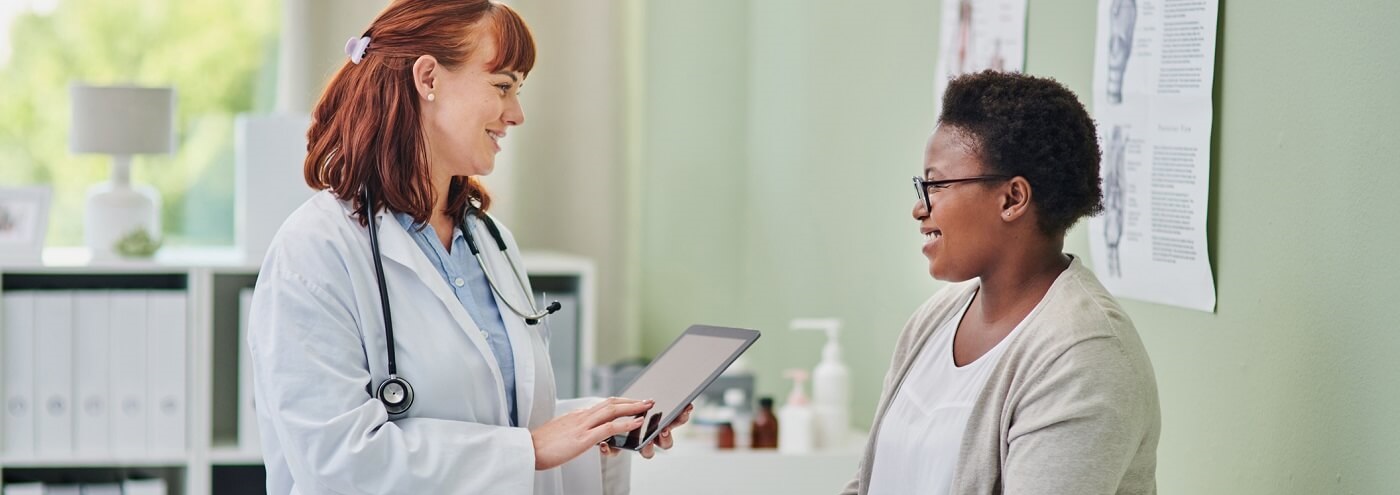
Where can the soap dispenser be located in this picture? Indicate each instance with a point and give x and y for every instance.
(831, 385)
(797, 418)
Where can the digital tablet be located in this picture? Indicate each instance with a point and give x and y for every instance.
(679, 374)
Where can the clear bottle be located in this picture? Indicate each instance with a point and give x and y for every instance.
(741, 416)
(765, 426)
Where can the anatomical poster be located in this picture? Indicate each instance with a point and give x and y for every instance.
(1154, 67)
(980, 34)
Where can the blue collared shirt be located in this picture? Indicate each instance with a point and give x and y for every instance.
(468, 282)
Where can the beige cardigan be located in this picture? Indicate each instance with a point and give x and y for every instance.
(1070, 409)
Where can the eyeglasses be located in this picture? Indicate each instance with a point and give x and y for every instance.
(926, 188)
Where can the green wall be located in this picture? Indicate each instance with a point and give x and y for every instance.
(776, 142)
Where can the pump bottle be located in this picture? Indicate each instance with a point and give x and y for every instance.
(797, 418)
(831, 385)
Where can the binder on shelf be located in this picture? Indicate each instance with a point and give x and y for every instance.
(18, 379)
(165, 372)
(248, 440)
(102, 489)
(128, 373)
(63, 489)
(53, 373)
(24, 489)
(144, 487)
(91, 387)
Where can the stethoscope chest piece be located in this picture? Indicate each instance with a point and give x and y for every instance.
(396, 394)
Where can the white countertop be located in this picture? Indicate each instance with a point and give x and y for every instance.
(698, 469)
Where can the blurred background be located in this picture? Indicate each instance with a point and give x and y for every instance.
(746, 162)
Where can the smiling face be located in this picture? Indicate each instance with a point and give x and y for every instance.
(963, 232)
(471, 109)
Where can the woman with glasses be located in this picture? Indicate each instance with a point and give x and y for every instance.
(1023, 374)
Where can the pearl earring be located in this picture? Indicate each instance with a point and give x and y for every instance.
(431, 97)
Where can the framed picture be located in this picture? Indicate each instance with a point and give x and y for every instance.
(24, 222)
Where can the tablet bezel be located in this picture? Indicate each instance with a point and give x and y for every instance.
(747, 336)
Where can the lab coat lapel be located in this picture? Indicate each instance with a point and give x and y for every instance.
(522, 337)
(522, 347)
(396, 245)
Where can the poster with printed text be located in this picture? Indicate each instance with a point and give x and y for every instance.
(980, 34)
(1154, 68)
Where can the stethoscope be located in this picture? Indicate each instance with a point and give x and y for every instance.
(395, 392)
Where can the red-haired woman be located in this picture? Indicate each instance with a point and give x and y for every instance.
(395, 341)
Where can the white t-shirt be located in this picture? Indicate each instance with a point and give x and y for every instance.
(922, 431)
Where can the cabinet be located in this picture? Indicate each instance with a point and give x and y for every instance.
(209, 282)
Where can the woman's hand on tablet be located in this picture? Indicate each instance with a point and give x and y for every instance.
(665, 440)
(565, 437)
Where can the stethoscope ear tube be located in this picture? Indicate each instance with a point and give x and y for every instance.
(495, 234)
(534, 315)
(548, 310)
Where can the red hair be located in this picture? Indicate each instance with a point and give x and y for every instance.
(366, 130)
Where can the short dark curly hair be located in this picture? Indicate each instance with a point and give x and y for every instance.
(1033, 127)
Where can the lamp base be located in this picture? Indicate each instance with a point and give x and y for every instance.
(115, 210)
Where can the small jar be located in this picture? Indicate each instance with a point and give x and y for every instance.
(725, 438)
(765, 426)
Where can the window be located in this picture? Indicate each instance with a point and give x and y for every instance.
(219, 55)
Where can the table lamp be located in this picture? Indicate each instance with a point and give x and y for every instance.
(121, 121)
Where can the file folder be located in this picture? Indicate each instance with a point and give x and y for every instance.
(18, 364)
(91, 386)
(53, 373)
(144, 487)
(166, 378)
(24, 489)
(128, 373)
(102, 489)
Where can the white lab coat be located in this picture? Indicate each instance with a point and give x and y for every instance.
(318, 350)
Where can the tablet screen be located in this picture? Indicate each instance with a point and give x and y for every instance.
(679, 374)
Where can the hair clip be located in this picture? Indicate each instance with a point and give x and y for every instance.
(355, 48)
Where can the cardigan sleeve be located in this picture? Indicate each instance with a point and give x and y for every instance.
(1078, 427)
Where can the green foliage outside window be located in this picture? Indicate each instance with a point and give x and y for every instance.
(219, 55)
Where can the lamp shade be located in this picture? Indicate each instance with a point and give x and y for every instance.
(122, 120)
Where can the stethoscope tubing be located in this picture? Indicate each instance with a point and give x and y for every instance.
(534, 315)
(396, 393)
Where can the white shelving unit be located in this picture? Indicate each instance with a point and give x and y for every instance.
(212, 280)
